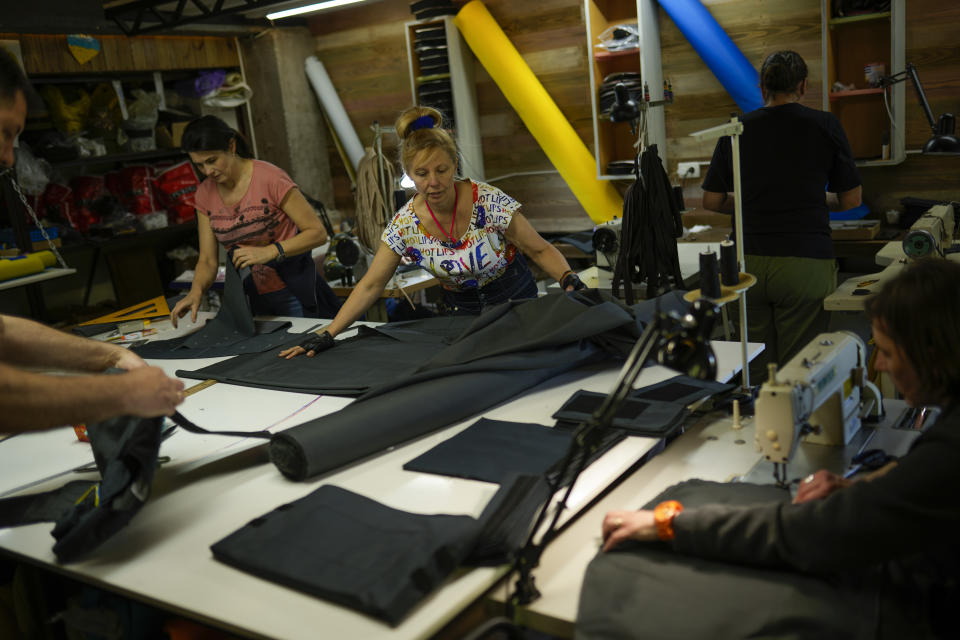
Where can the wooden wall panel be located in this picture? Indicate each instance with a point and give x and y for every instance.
(932, 27)
(49, 53)
(758, 29)
(365, 54)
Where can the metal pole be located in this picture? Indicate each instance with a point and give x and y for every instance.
(738, 225)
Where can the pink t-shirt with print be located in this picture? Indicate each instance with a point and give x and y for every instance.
(256, 220)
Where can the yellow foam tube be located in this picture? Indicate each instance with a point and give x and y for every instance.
(19, 267)
(46, 257)
(538, 111)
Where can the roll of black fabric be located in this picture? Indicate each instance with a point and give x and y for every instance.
(729, 269)
(709, 275)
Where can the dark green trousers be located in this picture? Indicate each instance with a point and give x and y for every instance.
(785, 306)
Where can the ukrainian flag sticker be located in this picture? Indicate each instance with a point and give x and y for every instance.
(83, 47)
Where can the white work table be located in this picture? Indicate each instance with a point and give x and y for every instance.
(213, 485)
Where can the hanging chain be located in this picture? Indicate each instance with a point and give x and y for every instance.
(33, 214)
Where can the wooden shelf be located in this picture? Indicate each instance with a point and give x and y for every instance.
(839, 95)
(133, 156)
(858, 18)
(600, 56)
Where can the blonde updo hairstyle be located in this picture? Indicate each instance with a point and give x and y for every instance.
(419, 129)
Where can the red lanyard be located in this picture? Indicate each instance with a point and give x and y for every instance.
(453, 223)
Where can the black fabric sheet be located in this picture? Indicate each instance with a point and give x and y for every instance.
(233, 330)
(490, 450)
(346, 548)
(375, 356)
(681, 390)
(505, 351)
(648, 591)
(649, 418)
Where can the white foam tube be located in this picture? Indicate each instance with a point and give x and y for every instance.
(327, 94)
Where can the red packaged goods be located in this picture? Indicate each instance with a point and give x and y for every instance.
(137, 194)
(86, 190)
(57, 203)
(176, 188)
(113, 183)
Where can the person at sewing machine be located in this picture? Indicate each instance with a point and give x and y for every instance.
(471, 236)
(257, 212)
(906, 518)
(789, 154)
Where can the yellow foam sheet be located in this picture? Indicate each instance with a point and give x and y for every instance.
(538, 111)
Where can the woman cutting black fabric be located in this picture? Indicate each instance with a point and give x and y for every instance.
(905, 519)
(257, 212)
(469, 235)
(791, 156)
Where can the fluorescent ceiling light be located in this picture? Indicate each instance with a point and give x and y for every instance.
(406, 182)
(310, 8)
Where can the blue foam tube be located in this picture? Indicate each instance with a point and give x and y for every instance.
(712, 43)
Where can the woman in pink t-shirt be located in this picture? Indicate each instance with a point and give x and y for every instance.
(258, 214)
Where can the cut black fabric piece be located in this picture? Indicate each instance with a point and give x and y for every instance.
(507, 519)
(490, 450)
(233, 330)
(125, 451)
(646, 590)
(681, 390)
(504, 352)
(373, 357)
(348, 549)
(650, 418)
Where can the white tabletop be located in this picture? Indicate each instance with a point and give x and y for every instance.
(214, 485)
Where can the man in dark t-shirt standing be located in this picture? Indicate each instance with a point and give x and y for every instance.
(796, 165)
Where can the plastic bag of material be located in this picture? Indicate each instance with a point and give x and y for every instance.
(620, 37)
(233, 93)
(105, 119)
(32, 172)
(142, 116)
(204, 84)
(176, 188)
(68, 108)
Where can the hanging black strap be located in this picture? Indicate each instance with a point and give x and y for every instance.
(181, 421)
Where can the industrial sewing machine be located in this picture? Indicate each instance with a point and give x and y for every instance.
(606, 245)
(820, 395)
(931, 235)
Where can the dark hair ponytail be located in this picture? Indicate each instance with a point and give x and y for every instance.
(782, 72)
(210, 133)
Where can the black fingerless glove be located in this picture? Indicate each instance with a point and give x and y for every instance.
(572, 280)
(317, 342)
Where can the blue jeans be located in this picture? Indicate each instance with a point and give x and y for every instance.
(515, 282)
(276, 303)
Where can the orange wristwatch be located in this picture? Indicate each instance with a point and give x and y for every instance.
(663, 515)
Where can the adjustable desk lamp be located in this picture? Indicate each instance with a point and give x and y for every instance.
(943, 141)
(681, 343)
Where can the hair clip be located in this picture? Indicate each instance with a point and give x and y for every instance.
(423, 122)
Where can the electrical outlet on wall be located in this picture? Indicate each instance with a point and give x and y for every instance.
(688, 169)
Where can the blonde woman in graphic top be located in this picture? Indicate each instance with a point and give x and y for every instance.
(469, 235)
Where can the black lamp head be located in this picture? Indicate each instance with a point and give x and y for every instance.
(687, 347)
(943, 141)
